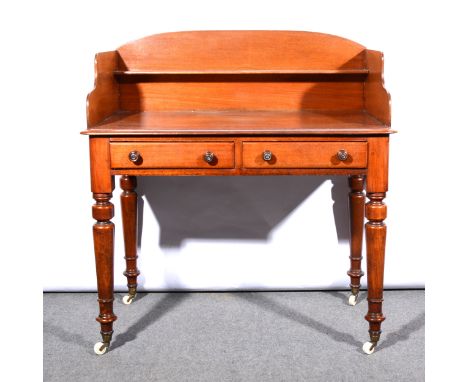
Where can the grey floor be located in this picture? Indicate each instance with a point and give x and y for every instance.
(242, 336)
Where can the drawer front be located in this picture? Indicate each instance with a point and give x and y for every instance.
(304, 154)
(172, 155)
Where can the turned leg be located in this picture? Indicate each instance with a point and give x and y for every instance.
(356, 214)
(376, 230)
(128, 201)
(103, 234)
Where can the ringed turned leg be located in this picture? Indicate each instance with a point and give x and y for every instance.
(128, 200)
(356, 214)
(102, 185)
(376, 232)
(103, 234)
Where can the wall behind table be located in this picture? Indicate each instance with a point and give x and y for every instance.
(223, 233)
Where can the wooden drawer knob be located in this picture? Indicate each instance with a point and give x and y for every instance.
(267, 155)
(342, 155)
(134, 156)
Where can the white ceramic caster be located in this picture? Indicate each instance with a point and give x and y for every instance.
(127, 300)
(100, 348)
(368, 347)
(352, 300)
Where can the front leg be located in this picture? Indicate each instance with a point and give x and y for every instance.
(376, 232)
(103, 235)
(102, 185)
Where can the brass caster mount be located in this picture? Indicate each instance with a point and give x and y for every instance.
(101, 347)
(127, 300)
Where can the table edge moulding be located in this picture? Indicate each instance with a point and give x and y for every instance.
(239, 103)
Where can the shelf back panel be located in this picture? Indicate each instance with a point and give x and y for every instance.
(295, 96)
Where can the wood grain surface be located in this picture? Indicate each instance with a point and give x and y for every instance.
(304, 154)
(240, 122)
(172, 154)
(241, 50)
(104, 99)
